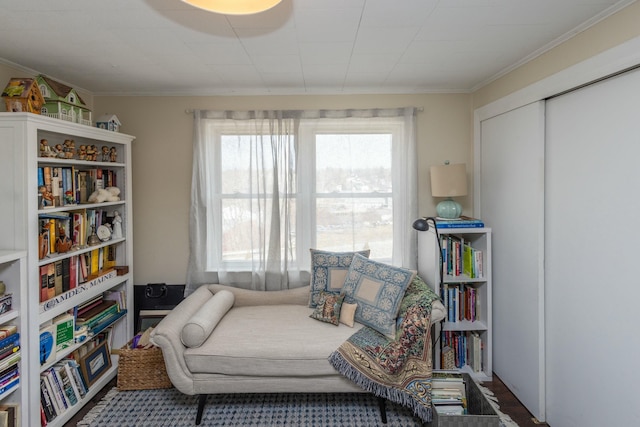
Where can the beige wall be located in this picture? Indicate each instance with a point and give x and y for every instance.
(608, 33)
(162, 159)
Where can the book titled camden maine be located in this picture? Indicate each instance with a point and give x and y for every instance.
(462, 222)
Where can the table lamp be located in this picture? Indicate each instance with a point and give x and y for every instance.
(449, 181)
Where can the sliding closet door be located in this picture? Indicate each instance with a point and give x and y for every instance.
(592, 258)
(511, 202)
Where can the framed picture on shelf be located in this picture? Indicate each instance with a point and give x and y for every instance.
(95, 363)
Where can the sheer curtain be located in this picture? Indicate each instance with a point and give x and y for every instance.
(274, 149)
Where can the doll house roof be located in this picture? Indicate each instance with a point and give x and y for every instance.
(60, 92)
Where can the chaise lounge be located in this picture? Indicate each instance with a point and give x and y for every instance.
(222, 339)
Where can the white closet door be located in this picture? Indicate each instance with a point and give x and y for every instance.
(511, 164)
(592, 285)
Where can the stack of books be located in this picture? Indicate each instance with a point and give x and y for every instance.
(448, 393)
(9, 358)
(97, 314)
(61, 387)
(462, 222)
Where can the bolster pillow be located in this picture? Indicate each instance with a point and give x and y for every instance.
(199, 327)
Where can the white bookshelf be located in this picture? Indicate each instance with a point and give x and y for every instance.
(429, 267)
(23, 132)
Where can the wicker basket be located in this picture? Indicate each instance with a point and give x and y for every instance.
(141, 369)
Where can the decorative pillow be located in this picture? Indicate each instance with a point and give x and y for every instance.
(378, 289)
(348, 313)
(328, 271)
(328, 309)
(196, 331)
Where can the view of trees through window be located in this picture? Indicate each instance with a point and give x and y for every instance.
(350, 193)
(353, 193)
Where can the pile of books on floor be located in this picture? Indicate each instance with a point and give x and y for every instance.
(448, 393)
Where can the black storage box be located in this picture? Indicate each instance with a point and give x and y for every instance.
(152, 302)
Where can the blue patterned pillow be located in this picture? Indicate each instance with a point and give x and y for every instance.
(378, 289)
(328, 271)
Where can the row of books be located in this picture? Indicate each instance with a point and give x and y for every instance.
(9, 358)
(448, 393)
(462, 222)
(467, 347)
(460, 258)
(61, 387)
(96, 314)
(461, 302)
(70, 186)
(65, 274)
(83, 322)
(60, 231)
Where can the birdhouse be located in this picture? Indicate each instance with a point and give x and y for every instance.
(62, 102)
(108, 122)
(23, 95)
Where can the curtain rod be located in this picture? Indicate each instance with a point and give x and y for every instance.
(418, 109)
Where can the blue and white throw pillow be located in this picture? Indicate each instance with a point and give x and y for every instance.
(378, 289)
(328, 271)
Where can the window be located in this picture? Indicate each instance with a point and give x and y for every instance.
(266, 191)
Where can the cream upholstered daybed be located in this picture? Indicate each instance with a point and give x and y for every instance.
(222, 339)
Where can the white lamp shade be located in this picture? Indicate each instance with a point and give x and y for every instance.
(449, 180)
(234, 7)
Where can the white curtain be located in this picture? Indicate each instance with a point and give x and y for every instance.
(279, 211)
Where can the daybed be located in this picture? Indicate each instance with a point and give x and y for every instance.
(222, 339)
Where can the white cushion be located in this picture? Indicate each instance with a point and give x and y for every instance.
(202, 323)
(276, 340)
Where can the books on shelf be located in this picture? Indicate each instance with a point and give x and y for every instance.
(461, 302)
(459, 258)
(462, 222)
(467, 347)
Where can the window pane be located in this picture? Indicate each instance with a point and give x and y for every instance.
(348, 224)
(240, 230)
(355, 163)
(349, 164)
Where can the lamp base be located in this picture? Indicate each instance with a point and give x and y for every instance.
(449, 209)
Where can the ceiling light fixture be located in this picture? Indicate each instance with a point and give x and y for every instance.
(233, 7)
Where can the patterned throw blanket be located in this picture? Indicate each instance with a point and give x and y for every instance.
(398, 370)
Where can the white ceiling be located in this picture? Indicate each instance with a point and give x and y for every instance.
(165, 47)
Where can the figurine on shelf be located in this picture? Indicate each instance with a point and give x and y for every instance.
(117, 225)
(59, 151)
(113, 154)
(92, 153)
(82, 152)
(47, 196)
(69, 147)
(45, 150)
(63, 243)
(105, 153)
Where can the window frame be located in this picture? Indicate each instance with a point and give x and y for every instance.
(305, 195)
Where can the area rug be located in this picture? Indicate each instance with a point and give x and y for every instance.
(169, 407)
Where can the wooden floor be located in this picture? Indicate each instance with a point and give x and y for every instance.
(508, 403)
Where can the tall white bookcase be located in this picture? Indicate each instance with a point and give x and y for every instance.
(20, 261)
(430, 264)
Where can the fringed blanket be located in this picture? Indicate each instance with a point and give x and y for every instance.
(398, 370)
